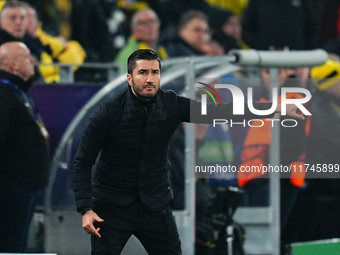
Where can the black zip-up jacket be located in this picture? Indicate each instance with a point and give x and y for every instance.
(7, 37)
(23, 149)
(133, 145)
(34, 44)
(175, 46)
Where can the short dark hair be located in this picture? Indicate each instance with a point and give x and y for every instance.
(186, 18)
(144, 54)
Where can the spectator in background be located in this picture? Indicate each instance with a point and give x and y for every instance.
(23, 145)
(281, 23)
(191, 38)
(68, 52)
(171, 11)
(13, 24)
(144, 35)
(229, 35)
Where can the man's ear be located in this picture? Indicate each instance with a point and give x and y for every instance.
(129, 79)
(13, 65)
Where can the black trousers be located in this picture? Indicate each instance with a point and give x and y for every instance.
(157, 231)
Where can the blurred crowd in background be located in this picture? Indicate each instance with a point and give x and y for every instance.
(98, 31)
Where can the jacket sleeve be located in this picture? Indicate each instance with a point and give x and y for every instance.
(191, 111)
(90, 145)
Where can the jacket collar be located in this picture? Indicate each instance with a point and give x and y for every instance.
(16, 80)
(7, 37)
(136, 104)
(135, 100)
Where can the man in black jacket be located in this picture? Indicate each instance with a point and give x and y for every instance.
(191, 37)
(129, 192)
(23, 147)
